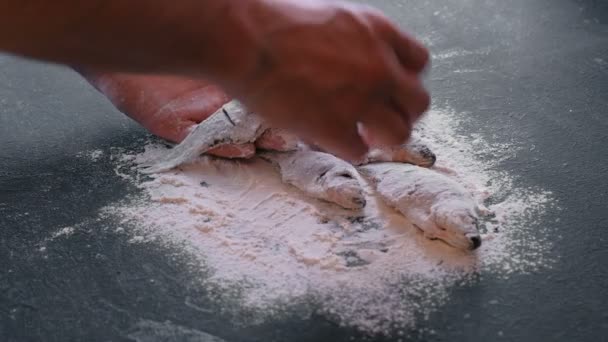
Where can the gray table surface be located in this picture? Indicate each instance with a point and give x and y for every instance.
(544, 81)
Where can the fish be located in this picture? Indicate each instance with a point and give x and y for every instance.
(436, 204)
(412, 152)
(320, 175)
(231, 124)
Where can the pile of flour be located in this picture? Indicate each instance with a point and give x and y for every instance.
(271, 249)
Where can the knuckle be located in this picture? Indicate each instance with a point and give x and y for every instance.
(379, 67)
(425, 101)
(425, 55)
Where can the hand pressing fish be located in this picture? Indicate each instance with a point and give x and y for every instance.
(230, 125)
(320, 175)
(433, 202)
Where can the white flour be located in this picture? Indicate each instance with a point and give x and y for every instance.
(94, 155)
(369, 270)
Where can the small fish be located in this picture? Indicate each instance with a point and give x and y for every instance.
(231, 124)
(412, 152)
(433, 202)
(320, 175)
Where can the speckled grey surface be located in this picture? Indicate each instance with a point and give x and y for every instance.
(542, 79)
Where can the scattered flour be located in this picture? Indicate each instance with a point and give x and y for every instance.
(94, 155)
(147, 330)
(455, 53)
(61, 233)
(371, 270)
(65, 231)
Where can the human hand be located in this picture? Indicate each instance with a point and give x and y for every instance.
(316, 67)
(322, 68)
(170, 107)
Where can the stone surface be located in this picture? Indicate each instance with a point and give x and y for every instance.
(539, 74)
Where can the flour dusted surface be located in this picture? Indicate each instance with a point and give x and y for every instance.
(370, 269)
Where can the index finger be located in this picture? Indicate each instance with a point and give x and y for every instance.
(410, 52)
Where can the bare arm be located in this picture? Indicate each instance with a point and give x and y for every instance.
(152, 36)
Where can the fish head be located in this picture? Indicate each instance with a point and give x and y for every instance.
(373, 173)
(457, 224)
(344, 187)
(415, 153)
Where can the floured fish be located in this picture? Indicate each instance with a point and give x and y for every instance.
(229, 125)
(436, 204)
(320, 175)
(412, 152)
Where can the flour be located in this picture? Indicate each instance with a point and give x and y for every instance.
(94, 155)
(271, 249)
(65, 231)
(147, 330)
(456, 53)
(320, 175)
(62, 233)
(433, 202)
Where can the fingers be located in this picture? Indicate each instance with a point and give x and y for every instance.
(385, 127)
(410, 98)
(201, 104)
(364, 70)
(340, 137)
(411, 54)
(175, 119)
(245, 151)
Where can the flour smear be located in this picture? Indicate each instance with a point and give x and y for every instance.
(272, 250)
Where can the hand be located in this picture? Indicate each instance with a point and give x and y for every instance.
(324, 67)
(316, 67)
(171, 106)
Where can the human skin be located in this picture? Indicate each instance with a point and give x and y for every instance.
(168, 106)
(316, 68)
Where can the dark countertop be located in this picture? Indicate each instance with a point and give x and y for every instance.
(544, 81)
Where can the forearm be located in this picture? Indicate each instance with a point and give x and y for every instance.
(191, 37)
